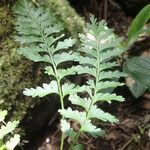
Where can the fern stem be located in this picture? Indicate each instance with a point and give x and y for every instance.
(62, 141)
(56, 74)
(92, 99)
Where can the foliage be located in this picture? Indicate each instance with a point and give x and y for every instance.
(139, 70)
(41, 41)
(5, 129)
(137, 25)
(99, 46)
(138, 67)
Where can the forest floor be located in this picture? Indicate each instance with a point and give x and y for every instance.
(132, 132)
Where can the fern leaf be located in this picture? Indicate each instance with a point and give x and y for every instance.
(10, 126)
(101, 115)
(64, 57)
(87, 60)
(70, 88)
(88, 127)
(109, 54)
(110, 75)
(42, 91)
(107, 65)
(49, 70)
(3, 114)
(67, 43)
(66, 72)
(83, 102)
(11, 144)
(107, 97)
(108, 84)
(85, 70)
(73, 114)
(65, 128)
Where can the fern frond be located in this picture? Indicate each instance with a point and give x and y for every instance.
(101, 115)
(99, 46)
(107, 97)
(73, 114)
(39, 34)
(83, 102)
(36, 28)
(42, 91)
(11, 144)
(88, 127)
(10, 126)
(70, 88)
(69, 132)
(5, 129)
(110, 75)
(3, 114)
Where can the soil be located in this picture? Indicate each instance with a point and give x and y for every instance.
(132, 132)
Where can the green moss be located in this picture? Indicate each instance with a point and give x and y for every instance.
(15, 73)
(5, 21)
(62, 9)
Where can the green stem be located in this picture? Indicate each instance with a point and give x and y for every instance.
(92, 100)
(62, 141)
(56, 75)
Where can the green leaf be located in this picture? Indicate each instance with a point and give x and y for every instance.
(83, 102)
(49, 70)
(78, 147)
(3, 114)
(110, 54)
(65, 44)
(42, 91)
(107, 97)
(88, 127)
(66, 72)
(137, 89)
(110, 75)
(137, 24)
(10, 126)
(64, 57)
(85, 70)
(65, 128)
(138, 68)
(12, 143)
(95, 112)
(70, 88)
(73, 114)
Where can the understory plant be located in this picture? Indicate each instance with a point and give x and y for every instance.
(41, 40)
(138, 67)
(5, 130)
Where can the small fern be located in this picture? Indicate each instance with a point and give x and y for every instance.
(99, 46)
(38, 33)
(5, 129)
(41, 41)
